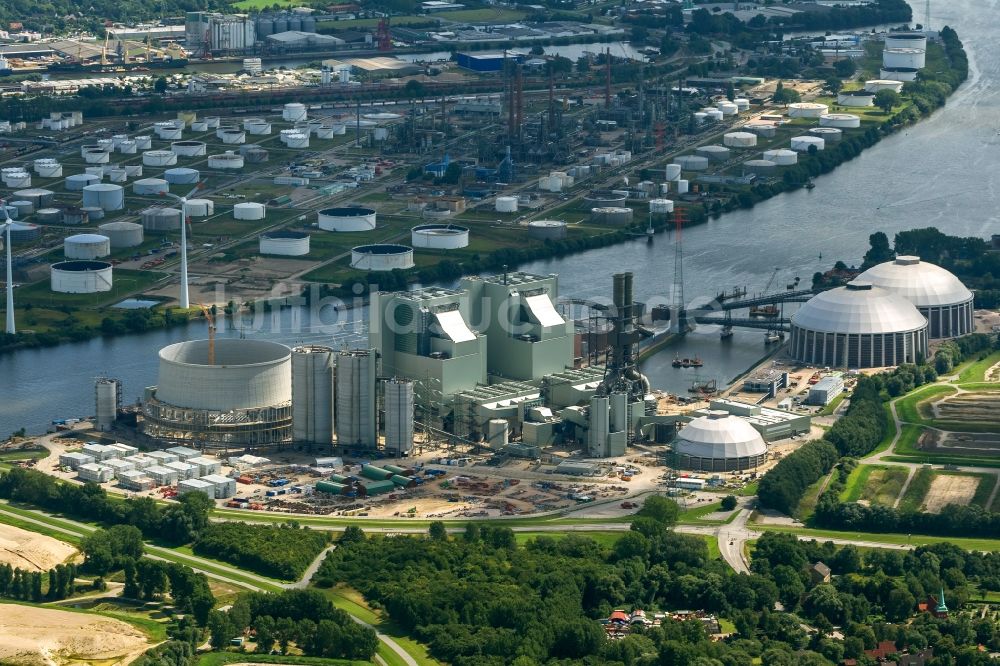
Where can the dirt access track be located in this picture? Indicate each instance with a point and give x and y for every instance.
(31, 552)
(31, 635)
(950, 489)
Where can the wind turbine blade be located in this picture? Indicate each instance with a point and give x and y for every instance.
(196, 188)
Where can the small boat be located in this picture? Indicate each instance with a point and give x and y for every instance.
(810, 185)
(679, 362)
(771, 338)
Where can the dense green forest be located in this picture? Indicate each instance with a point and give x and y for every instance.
(65, 14)
(478, 599)
(283, 551)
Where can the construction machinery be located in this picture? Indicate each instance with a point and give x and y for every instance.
(207, 311)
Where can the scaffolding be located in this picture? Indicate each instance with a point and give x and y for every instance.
(235, 430)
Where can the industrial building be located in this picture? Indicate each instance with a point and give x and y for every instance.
(483, 61)
(718, 442)
(940, 297)
(858, 326)
(772, 424)
(825, 390)
(211, 32)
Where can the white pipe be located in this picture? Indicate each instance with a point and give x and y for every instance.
(11, 329)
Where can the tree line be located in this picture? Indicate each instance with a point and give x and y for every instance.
(280, 551)
(27, 585)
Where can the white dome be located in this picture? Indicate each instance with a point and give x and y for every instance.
(923, 284)
(858, 308)
(717, 436)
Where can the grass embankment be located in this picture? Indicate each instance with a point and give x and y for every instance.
(920, 484)
(887, 539)
(877, 484)
(975, 370)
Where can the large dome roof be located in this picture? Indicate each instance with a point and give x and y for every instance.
(858, 308)
(921, 283)
(719, 435)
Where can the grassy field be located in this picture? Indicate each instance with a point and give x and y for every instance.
(917, 490)
(888, 539)
(809, 500)
(878, 484)
(833, 405)
(909, 407)
(41, 296)
(983, 491)
(974, 370)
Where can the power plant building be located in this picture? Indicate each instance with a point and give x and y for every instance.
(718, 442)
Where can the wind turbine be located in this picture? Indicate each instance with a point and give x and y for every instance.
(7, 224)
(184, 300)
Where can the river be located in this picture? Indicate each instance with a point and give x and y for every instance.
(940, 173)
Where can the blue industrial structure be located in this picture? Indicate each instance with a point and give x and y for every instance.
(490, 61)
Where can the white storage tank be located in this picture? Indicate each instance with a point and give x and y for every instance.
(105, 195)
(856, 98)
(182, 176)
(225, 161)
(382, 257)
(94, 171)
(127, 147)
(117, 175)
(96, 157)
(547, 229)
(682, 186)
(714, 153)
(740, 139)
(93, 213)
(133, 170)
(762, 128)
(257, 127)
(497, 433)
(188, 148)
(692, 162)
(212, 122)
(24, 209)
(714, 115)
(161, 219)
(782, 156)
(347, 218)
(357, 418)
(200, 207)
(143, 142)
(398, 416)
(285, 243)
(159, 158)
(47, 215)
(840, 120)
(17, 179)
(661, 206)
(249, 211)
(199, 126)
(324, 132)
(107, 394)
(742, 103)
(673, 171)
(168, 132)
(727, 108)
(906, 40)
(807, 110)
(293, 112)
(802, 144)
(74, 216)
(312, 394)
(875, 85)
(81, 277)
(828, 134)
(700, 117)
(439, 236)
(611, 215)
(233, 136)
(48, 168)
(296, 139)
(38, 197)
(150, 186)
(904, 57)
(122, 234)
(760, 167)
(506, 204)
(86, 246)
(904, 74)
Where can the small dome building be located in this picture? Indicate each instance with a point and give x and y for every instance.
(718, 442)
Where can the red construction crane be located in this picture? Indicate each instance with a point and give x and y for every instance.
(383, 36)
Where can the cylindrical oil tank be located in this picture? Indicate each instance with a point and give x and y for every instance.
(904, 57)
(116, 140)
(87, 147)
(49, 169)
(339, 128)
(611, 215)
(906, 40)
(356, 418)
(117, 175)
(107, 399)
(75, 216)
(24, 232)
(661, 206)
(807, 110)
(249, 211)
(188, 148)
(133, 170)
(150, 186)
(257, 127)
(81, 277)
(170, 133)
(398, 416)
(39, 197)
(293, 112)
(381, 257)
(761, 128)
(700, 117)
(199, 126)
(159, 158)
(296, 140)
(781, 156)
(840, 120)
(107, 145)
(739, 139)
(324, 132)
(233, 136)
(256, 155)
(200, 207)
(127, 147)
(673, 171)
(742, 103)
(802, 144)
(94, 213)
(144, 142)
(86, 246)
(856, 98)
(828, 134)
(547, 229)
(24, 208)
(48, 215)
(497, 433)
(506, 204)
(187, 117)
(96, 157)
(760, 167)
(105, 195)
(728, 108)
(182, 176)
(714, 153)
(161, 219)
(212, 122)
(17, 179)
(692, 162)
(285, 243)
(682, 186)
(348, 218)
(439, 236)
(904, 74)
(312, 394)
(714, 115)
(225, 161)
(122, 234)
(874, 85)
(94, 171)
